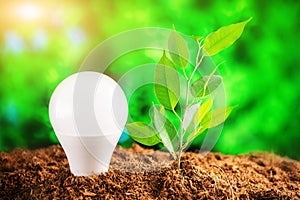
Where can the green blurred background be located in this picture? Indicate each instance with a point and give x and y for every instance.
(42, 42)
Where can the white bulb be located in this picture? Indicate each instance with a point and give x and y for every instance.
(88, 111)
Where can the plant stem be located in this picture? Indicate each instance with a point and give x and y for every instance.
(175, 113)
(196, 67)
(188, 82)
(185, 76)
(198, 61)
(181, 125)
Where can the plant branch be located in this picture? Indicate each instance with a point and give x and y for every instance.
(198, 51)
(181, 125)
(209, 77)
(198, 61)
(175, 113)
(196, 67)
(185, 76)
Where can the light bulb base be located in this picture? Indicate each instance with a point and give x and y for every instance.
(88, 155)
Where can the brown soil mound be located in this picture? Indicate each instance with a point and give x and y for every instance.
(44, 174)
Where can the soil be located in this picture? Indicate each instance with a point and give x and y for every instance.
(139, 173)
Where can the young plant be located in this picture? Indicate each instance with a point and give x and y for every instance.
(197, 113)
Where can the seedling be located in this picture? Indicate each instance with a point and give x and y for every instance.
(198, 114)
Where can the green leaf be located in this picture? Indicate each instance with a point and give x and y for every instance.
(166, 130)
(178, 49)
(192, 136)
(216, 117)
(205, 85)
(188, 124)
(167, 85)
(143, 133)
(202, 111)
(223, 38)
(190, 114)
(211, 119)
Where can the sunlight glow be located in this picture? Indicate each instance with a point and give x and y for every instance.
(30, 11)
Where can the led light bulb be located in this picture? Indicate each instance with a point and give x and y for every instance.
(88, 111)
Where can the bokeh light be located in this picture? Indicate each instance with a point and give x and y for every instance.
(29, 11)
